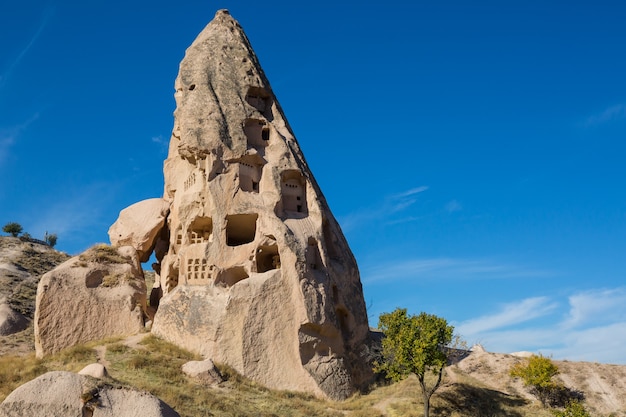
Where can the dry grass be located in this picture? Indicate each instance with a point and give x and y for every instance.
(114, 280)
(16, 370)
(104, 254)
(38, 262)
(155, 366)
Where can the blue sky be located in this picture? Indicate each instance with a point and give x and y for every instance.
(474, 155)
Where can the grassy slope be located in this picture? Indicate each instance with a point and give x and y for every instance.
(155, 366)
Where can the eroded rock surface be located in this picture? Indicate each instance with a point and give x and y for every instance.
(139, 225)
(71, 395)
(101, 293)
(253, 270)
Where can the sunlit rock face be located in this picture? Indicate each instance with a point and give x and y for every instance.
(254, 270)
(98, 294)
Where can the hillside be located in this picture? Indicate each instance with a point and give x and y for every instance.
(478, 385)
(22, 263)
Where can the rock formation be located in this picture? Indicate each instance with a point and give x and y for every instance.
(139, 225)
(253, 269)
(72, 395)
(101, 293)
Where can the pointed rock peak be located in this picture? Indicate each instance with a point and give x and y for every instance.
(252, 268)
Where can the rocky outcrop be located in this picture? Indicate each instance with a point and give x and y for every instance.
(101, 293)
(70, 395)
(254, 269)
(139, 225)
(22, 262)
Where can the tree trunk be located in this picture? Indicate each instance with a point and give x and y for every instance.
(426, 405)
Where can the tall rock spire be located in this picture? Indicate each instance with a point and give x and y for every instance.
(254, 270)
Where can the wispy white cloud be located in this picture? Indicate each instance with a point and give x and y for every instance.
(509, 314)
(390, 205)
(616, 112)
(597, 306)
(6, 74)
(592, 328)
(411, 192)
(440, 269)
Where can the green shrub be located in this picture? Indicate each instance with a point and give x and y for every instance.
(537, 374)
(14, 229)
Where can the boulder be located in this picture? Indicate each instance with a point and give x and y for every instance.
(71, 395)
(139, 225)
(95, 370)
(11, 321)
(203, 371)
(254, 270)
(99, 294)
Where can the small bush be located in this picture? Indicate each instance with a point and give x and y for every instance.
(14, 229)
(50, 239)
(537, 374)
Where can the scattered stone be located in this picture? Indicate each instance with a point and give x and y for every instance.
(68, 394)
(252, 267)
(203, 371)
(96, 370)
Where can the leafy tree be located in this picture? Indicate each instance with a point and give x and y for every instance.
(414, 344)
(13, 228)
(537, 373)
(50, 239)
(572, 409)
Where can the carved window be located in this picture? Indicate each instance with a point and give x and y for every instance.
(240, 228)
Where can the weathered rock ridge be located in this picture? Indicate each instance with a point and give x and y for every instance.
(252, 268)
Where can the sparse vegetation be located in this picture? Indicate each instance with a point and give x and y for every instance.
(37, 262)
(415, 345)
(113, 280)
(155, 366)
(50, 239)
(103, 253)
(572, 409)
(14, 229)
